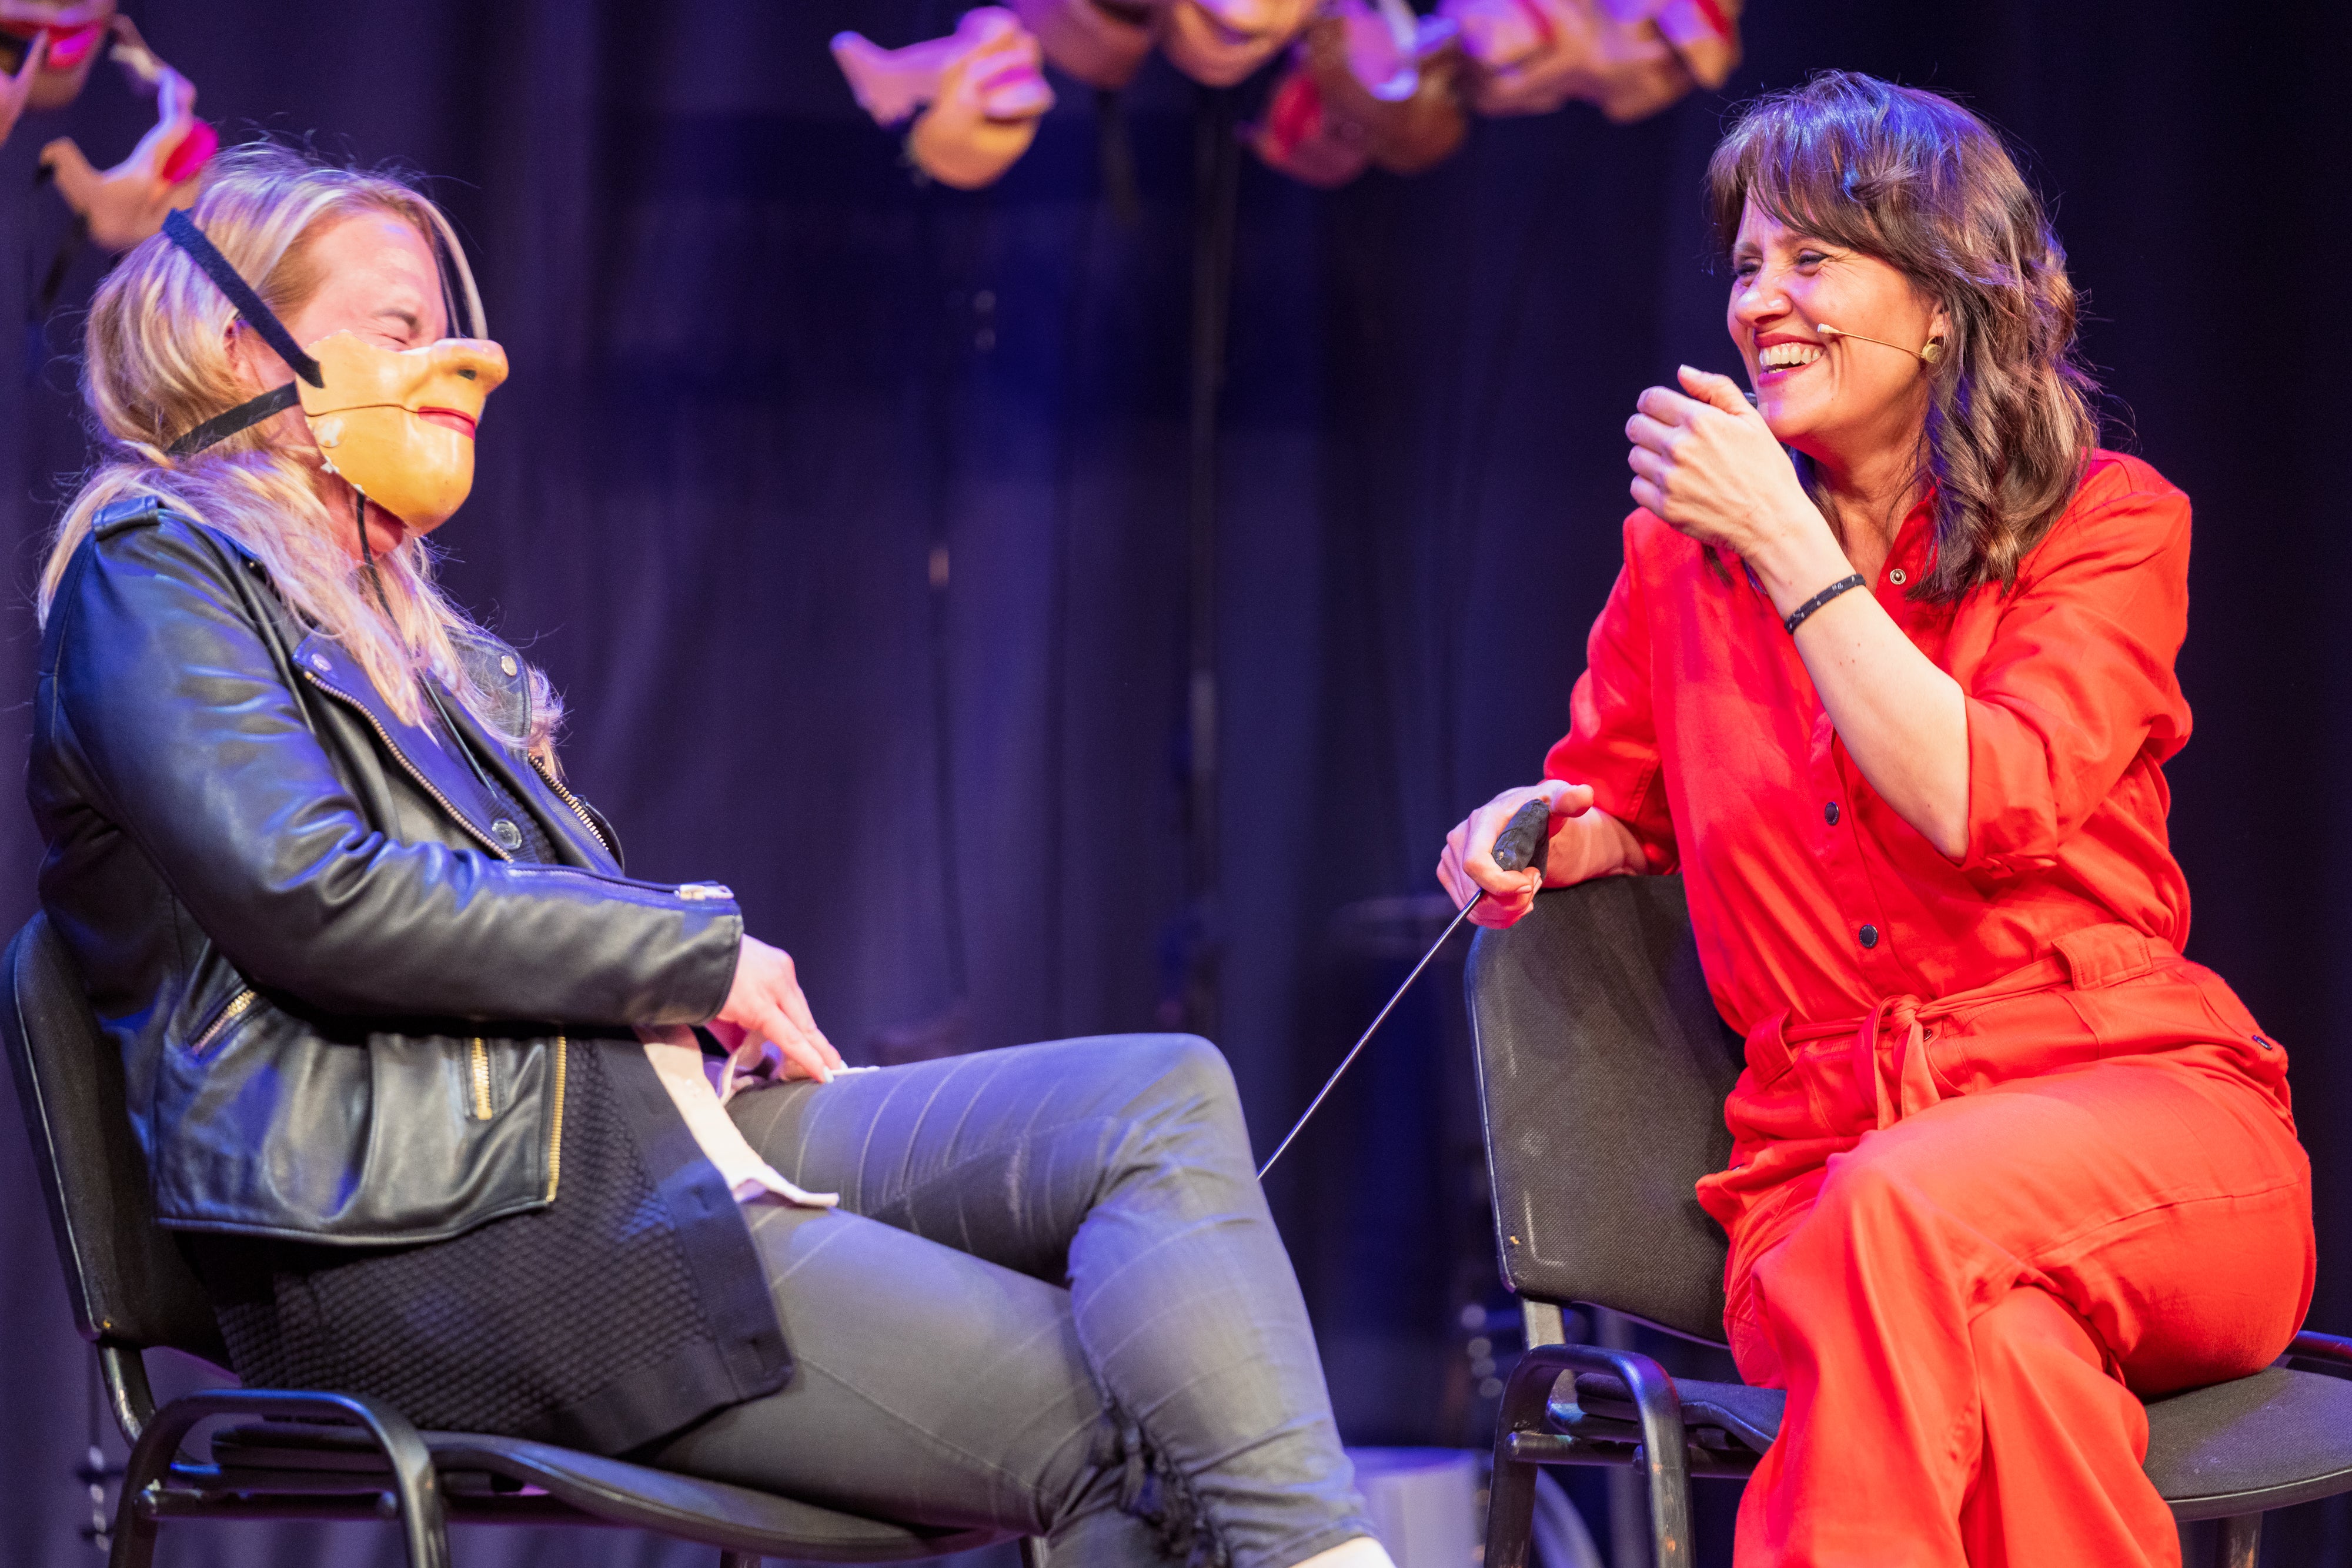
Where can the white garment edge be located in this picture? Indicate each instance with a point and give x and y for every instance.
(678, 1063)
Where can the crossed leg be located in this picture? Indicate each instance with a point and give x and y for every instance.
(1962, 1314)
(1052, 1302)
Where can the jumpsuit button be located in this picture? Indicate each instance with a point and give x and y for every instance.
(1869, 934)
(509, 836)
(2258, 1040)
(1830, 814)
(1897, 577)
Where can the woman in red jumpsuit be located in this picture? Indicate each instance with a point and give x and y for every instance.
(2003, 1159)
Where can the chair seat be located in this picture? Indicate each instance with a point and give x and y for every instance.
(302, 1459)
(1748, 1417)
(2277, 1437)
(2280, 1437)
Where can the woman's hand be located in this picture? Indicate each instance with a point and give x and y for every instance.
(765, 1003)
(1581, 843)
(126, 204)
(1709, 465)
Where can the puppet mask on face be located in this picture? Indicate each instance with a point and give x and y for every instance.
(372, 420)
(386, 420)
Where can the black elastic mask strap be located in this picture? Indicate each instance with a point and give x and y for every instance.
(244, 415)
(182, 232)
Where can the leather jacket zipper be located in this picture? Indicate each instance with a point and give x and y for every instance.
(235, 1008)
(407, 767)
(481, 1063)
(578, 809)
(555, 1126)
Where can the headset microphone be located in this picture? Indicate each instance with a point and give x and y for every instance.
(1927, 355)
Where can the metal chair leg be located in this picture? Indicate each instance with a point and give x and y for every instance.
(1511, 1489)
(2239, 1541)
(131, 1545)
(1032, 1551)
(415, 1489)
(1523, 1430)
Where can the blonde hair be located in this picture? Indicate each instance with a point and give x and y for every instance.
(155, 364)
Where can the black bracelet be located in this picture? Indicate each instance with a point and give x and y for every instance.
(1797, 616)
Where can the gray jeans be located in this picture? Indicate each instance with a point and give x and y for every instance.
(1052, 1302)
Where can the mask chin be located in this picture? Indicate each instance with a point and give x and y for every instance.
(419, 472)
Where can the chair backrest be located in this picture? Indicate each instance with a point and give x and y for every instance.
(130, 1284)
(1602, 1069)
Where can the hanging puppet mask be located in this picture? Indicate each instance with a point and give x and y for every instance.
(366, 405)
(1370, 83)
(76, 33)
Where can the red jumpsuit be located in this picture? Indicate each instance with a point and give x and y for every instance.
(2002, 1158)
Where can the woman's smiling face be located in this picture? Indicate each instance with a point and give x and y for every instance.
(1824, 395)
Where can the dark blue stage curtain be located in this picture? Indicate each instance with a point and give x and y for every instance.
(766, 384)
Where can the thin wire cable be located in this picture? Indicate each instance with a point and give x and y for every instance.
(1370, 1030)
(1523, 843)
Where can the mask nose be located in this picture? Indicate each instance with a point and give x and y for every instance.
(476, 365)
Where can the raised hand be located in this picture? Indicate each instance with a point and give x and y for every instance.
(1705, 461)
(126, 204)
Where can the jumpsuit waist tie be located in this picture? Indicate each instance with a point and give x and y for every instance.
(1893, 1075)
(1812, 1088)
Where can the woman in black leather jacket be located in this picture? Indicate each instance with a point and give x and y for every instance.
(402, 1041)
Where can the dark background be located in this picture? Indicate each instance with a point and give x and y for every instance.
(760, 372)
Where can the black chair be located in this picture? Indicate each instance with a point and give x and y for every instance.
(1602, 1069)
(314, 1455)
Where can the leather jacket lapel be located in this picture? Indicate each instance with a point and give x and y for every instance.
(325, 664)
(579, 839)
(579, 832)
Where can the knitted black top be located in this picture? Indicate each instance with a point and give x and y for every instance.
(631, 1306)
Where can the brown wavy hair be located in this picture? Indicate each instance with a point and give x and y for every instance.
(1914, 179)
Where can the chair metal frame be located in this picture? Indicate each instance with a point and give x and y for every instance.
(303, 1454)
(1566, 1404)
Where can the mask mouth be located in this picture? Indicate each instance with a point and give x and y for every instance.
(69, 45)
(448, 418)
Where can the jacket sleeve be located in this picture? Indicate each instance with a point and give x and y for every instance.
(1612, 738)
(159, 688)
(2078, 679)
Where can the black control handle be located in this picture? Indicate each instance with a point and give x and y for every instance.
(1523, 840)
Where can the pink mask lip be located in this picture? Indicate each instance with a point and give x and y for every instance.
(69, 47)
(1224, 32)
(1541, 21)
(1013, 73)
(426, 414)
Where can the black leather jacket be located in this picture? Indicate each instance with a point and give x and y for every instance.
(343, 1006)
